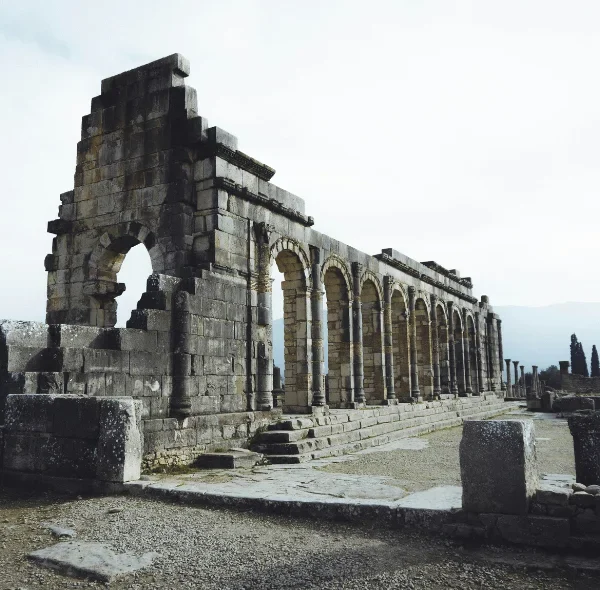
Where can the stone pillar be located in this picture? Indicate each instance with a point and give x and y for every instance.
(467, 355)
(508, 379)
(452, 350)
(491, 352)
(264, 357)
(359, 375)
(564, 367)
(585, 429)
(435, 344)
(478, 347)
(387, 337)
(534, 381)
(181, 404)
(500, 354)
(316, 306)
(523, 385)
(498, 466)
(414, 373)
(517, 387)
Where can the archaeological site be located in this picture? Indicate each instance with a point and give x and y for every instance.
(190, 383)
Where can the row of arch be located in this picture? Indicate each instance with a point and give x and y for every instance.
(384, 341)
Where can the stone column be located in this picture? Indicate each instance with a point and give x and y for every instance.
(467, 355)
(387, 337)
(414, 373)
(452, 350)
(264, 359)
(517, 388)
(359, 375)
(508, 379)
(478, 347)
(435, 344)
(316, 306)
(181, 403)
(500, 353)
(523, 385)
(491, 351)
(534, 381)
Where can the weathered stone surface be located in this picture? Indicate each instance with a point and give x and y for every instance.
(543, 531)
(120, 443)
(90, 560)
(229, 460)
(497, 463)
(585, 429)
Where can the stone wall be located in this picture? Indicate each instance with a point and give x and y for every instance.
(150, 170)
(580, 384)
(69, 441)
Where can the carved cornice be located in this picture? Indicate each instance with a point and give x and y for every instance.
(423, 277)
(272, 204)
(465, 281)
(237, 158)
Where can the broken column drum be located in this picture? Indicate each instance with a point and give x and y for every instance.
(150, 170)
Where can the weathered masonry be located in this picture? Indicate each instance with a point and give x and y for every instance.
(198, 349)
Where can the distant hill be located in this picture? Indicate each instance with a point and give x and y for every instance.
(532, 335)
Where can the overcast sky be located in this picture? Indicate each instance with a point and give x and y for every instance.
(460, 132)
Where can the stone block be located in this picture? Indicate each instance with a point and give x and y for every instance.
(543, 531)
(25, 452)
(120, 442)
(229, 460)
(75, 417)
(553, 495)
(29, 413)
(585, 429)
(71, 457)
(105, 361)
(498, 466)
(26, 334)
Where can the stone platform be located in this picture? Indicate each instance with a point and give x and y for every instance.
(296, 439)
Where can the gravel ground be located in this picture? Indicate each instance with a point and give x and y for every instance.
(218, 549)
(553, 442)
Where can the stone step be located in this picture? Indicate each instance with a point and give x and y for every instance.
(233, 459)
(321, 448)
(282, 436)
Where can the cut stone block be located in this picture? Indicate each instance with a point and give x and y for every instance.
(119, 451)
(585, 429)
(90, 560)
(543, 531)
(498, 466)
(229, 460)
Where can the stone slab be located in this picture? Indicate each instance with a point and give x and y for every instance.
(90, 560)
(498, 466)
(229, 460)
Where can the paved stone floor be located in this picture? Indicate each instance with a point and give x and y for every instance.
(419, 472)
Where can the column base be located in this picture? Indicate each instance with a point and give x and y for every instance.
(390, 402)
(356, 405)
(320, 410)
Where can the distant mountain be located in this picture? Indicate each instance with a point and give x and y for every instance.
(531, 335)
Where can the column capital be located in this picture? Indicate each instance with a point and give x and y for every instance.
(507, 361)
(357, 269)
(412, 290)
(433, 298)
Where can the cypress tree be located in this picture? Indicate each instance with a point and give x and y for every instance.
(583, 366)
(595, 362)
(574, 354)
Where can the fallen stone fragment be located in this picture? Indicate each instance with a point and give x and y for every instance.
(90, 560)
(59, 531)
(593, 489)
(578, 487)
(115, 510)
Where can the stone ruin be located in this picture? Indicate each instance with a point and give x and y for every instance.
(196, 356)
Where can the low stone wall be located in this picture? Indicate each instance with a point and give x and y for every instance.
(580, 384)
(169, 442)
(71, 442)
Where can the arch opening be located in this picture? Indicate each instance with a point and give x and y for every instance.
(472, 354)
(459, 349)
(296, 331)
(424, 353)
(373, 359)
(338, 334)
(442, 328)
(400, 346)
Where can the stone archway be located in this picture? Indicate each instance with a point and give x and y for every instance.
(424, 353)
(400, 345)
(296, 328)
(373, 359)
(459, 358)
(104, 264)
(442, 328)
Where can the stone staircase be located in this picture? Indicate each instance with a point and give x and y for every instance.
(296, 439)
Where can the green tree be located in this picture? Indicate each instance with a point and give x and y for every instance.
(551, 376)
(595, 362)
(583, 366)
(574, 355)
